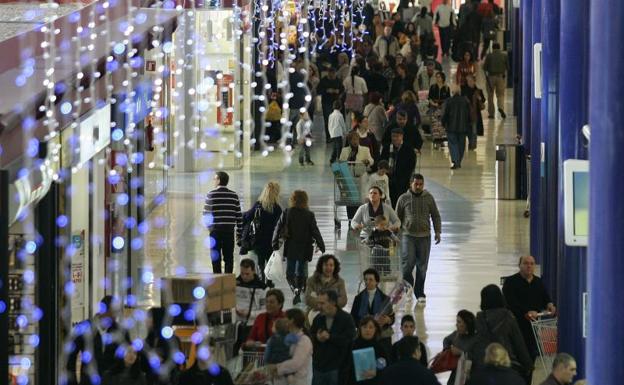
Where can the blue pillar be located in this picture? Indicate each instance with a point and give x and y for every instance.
(549, 132)
(526, 73)
(536, 207)
(573, 89)
(606, 207)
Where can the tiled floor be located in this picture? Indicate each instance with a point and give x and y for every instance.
(482, 237)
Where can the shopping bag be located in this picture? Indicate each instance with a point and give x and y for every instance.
(463, 370)
(274, 269)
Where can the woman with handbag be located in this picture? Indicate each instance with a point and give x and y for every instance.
(262, 218)
(456, 343)
(297, 227)
(355, 91)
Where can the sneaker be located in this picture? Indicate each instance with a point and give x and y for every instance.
(310, 163)
(422, 300)
(503, 115)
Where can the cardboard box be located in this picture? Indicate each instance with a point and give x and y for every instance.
(228, 301)
(217, 287)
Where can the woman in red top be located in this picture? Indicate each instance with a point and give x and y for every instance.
(464, 68)
(262, 328)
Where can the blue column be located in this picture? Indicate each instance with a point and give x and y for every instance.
(526, 73)
(536, 206)
(549, 132)
(573, 89)
(606, 207)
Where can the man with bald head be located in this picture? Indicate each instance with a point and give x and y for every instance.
(526, 296)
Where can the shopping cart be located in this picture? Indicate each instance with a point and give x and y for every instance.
(384, 260)
(545, 332)
(347, 186)
(251, 369)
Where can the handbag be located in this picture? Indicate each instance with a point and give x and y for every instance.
(274, 269)
(444, 362)
(250, 231)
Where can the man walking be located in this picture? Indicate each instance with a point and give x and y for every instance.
(456, 121)
(222, 213)
(402, 160)
(495, 68)
(417, 209)
(526, 295)
(332, 334)
(445, 20)
(330, 88)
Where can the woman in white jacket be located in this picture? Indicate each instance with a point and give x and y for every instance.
(298, 369)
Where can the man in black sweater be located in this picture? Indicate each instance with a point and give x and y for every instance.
(408, 370)
(526, 296)
(330, 88)
(402, 160)
(332, 333)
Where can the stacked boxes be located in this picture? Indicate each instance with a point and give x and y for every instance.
(219, 291)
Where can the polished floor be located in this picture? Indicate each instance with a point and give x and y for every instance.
(481, 237)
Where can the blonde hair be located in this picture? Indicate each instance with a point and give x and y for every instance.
(496, 354)
(269, 197)
(408, 97)
(299, 199)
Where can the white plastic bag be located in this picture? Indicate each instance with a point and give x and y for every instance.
(274, 269)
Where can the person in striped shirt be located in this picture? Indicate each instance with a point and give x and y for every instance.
(222, 215)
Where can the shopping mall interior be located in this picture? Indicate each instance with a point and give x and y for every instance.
(178, 176)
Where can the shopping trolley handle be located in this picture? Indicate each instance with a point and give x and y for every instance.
(546, 314)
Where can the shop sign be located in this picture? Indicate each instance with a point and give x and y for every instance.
(78, 276)
(94, 133)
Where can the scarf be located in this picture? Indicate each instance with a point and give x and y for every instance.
(375, 309)
(372, 213)
(353, 154)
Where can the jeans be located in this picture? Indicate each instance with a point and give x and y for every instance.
(336, 148)
(304, 152)
(445, 39)
(457, 146)
(472, 137)
(325, 378)
(296, 267)
(415, 253)
(223, 247)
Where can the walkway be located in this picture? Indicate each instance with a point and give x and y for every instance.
(481, 241)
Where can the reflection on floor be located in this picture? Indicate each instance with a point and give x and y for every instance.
(481, 241)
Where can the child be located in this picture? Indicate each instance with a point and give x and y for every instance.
(278, 346)
(381, 236)
(337, 128)
(408, 328)
(304, 137)
(380, 179)
(382, 242)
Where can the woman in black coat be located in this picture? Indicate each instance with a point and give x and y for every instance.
(297, 227)
(497, 324)
(369, 332)
(265, 212)
(497, 369)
